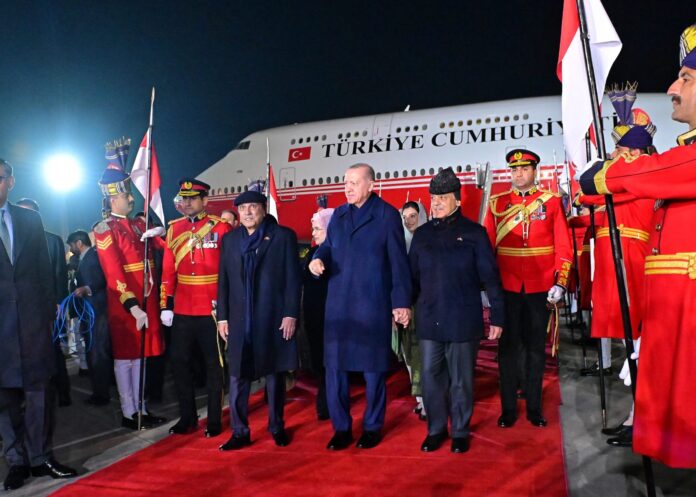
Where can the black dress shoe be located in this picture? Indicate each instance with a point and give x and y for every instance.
(64, 400)
(433, 442)
(340, 440)
(183, 427)
(95, 400)
(625, 439)
(460, 445)
(507, 421)
(616, 430)
(16, 476)
(54, 469)
(212, 430)
(132, 422)
(369, 440)
(594, 370)
(153, 420)
(281, 438)
(236, 443)
(537, 420)
(83, 372)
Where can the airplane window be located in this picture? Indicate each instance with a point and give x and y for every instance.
(439, 169)
(316, 138)
(431, 171)
(292, 142)
(364, 133)
(497, 119)
(321, 181)
(413, 172)
(460, 124)
(507, 119)
(516, 117)
(309, 139)
(243, 145)
(304, 182)
(451, 124)
(478, 121)
(415, 128)
(408, 128)
(442, 125)
(226, 194)
(459, 169)
(379, 176)
(340, 135)
(291, 184)
(336, 179)
(526, 116)
(323, 138)
(386, 175)
(328, 180)
(396, 174)
(404, 173)
(300, 140)
(425, 126)
(311, 181)
(246, 188)
(422, 172)
(239, 189)
(398, 130)
(356, 134)
(468, 168)
(488, 120)
(469, 122)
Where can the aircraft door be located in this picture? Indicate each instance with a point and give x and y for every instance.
(381, 126)
(286, 185)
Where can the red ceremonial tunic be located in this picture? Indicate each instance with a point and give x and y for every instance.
(581, 227)
(537, 251)
(191, 263)
(634, 219)
(664, 426)
(121, 254)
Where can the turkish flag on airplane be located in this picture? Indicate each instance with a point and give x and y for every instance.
(302, 153)
(605, 46)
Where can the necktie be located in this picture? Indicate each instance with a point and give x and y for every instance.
(5, 235)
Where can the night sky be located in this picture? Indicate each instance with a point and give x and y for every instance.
(76, 74)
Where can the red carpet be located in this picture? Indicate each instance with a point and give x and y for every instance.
(521, 461)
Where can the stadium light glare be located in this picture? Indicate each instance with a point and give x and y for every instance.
(62, 172)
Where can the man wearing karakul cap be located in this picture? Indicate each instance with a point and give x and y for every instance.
(664, 426)
(258, 306)
(451, 261)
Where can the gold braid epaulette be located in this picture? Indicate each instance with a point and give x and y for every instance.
(494, 200)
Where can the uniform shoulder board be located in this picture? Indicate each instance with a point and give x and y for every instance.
(176, 220)
(555, 194)
(102, 227)
(216, 218)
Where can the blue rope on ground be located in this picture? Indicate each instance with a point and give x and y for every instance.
(79, 308)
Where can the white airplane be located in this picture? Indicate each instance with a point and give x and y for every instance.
(406, 149)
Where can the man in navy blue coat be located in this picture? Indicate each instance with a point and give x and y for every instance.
(369, 284)
(258, 305)
(451, 262)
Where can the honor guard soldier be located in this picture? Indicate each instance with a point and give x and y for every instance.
(188, 296)
(666, 397)
(121, 254)
(528, 229)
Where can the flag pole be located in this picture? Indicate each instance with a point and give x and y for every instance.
(268, 169)
(147, 270)
(614, 235)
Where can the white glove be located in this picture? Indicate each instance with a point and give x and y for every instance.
(624, 374)
(555, 294)
(140, 317)
(167, 317)
(153, 232)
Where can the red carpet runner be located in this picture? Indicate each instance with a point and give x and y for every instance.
(521, 461)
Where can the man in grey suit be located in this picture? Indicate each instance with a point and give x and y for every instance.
(27, 309)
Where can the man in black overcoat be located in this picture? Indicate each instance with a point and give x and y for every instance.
(27, 309)
(258, 305)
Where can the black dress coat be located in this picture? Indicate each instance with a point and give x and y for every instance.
(277, 286)
(27, 305)
(314, 292)
(89, 273)
(56, 253)
(451, 262)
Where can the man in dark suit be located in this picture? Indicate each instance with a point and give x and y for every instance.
(91, 286)
(451, 260)
(56, 253)
(369, 284)
(27, 308)
(258, 305)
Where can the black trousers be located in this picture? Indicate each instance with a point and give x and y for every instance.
(526, 318)
(240, 388)
(189, 332)
(26, 425)
(447, 378)
(100, 358)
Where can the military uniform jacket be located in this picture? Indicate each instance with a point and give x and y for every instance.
(191, 263)
(121, 255)
(666, 393)
(530, 235)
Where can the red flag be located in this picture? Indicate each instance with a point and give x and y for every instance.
(139, 178)
(272, 194)
(302, 153)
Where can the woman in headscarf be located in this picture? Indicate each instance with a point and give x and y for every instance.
(313, 304)
(413, 215)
